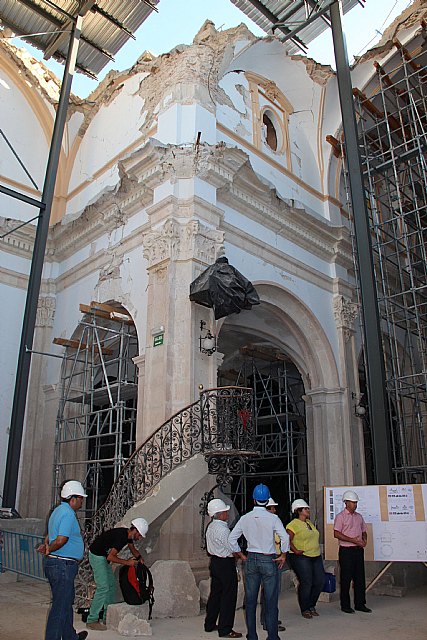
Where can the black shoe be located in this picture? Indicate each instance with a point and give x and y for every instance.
(82, 635)
(281, 628)
(364, 609)
(347, 609)
(215, 628)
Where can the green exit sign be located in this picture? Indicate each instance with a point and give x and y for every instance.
(158, 340)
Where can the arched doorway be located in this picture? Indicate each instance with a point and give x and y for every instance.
(279, 422)
(280, 350)
(96, 423)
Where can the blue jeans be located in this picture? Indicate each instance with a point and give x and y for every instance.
(61, 575)
(261, 569)
(311, 578)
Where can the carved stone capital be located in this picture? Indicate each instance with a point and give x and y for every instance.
(345, 313)
(45, 311)
(174, 240)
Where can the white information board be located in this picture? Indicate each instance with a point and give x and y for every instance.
(396, 519)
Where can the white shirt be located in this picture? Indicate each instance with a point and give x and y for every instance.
(259, 526)
(217, 539)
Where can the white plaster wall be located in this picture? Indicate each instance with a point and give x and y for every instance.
(318, 300)
(22, 128)
(115, 127)
(180, 124)
(11, 312)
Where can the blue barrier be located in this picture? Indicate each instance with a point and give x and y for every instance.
(18, 554)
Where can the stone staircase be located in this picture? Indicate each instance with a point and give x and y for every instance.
(170, 463)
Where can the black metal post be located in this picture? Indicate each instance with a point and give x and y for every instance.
(29, 320)
(379, 415)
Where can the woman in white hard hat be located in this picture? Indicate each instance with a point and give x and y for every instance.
(104, 550)
(305, 558)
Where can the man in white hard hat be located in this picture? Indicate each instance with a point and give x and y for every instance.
(103, 551)
(221, 605)
(351, 531)
(63, 549)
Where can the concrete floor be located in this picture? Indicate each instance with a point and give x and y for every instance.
(24, 606)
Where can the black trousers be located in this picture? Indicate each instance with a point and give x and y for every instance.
(221, 605)
(352, 568)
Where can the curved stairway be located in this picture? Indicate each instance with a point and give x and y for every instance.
(219, 424)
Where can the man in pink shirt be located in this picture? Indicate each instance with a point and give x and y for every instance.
(351, 531)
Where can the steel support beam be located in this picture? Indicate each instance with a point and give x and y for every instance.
(379, 414)
(29, 320)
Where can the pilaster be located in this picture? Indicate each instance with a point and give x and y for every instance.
(345, 314)
(177, 250)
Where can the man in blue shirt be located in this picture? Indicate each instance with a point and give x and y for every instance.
(63, 549)
(259, 527)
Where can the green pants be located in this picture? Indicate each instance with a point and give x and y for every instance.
(105, 593)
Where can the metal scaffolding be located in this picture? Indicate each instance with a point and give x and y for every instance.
(280, 427)
(392, 126)
(96, 423)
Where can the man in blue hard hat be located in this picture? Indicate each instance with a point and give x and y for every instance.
(259, 527)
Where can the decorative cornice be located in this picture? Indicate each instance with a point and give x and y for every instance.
(108, 213)
(174, 240)
(19, 242)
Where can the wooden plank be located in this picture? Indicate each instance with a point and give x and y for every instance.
(75, 344)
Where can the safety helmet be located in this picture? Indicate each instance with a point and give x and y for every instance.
(141, 525)
(72, 488)
(261, 494)
(271, 503)
(350, 495)
(299, 504)
(217, 506)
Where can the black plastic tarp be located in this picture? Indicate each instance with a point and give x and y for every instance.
(224, 289)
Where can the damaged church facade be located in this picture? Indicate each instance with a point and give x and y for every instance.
(214, 149)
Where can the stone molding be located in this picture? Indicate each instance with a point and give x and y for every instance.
(46, 311)
(174, 241)
(13, 278)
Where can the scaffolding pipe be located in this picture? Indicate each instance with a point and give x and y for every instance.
(30, 313)
(371, 319)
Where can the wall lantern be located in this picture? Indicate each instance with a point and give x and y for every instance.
(207, 342)
(359, 409)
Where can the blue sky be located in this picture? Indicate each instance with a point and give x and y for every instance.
(177, 22)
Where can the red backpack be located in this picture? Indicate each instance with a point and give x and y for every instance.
(137, 587)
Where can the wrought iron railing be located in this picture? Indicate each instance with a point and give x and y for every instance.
(220, 421)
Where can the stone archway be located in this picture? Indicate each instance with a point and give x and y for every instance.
(283, 323)
(96, 421)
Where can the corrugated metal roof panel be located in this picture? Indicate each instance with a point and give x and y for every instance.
(100, 35)
(291, 12)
